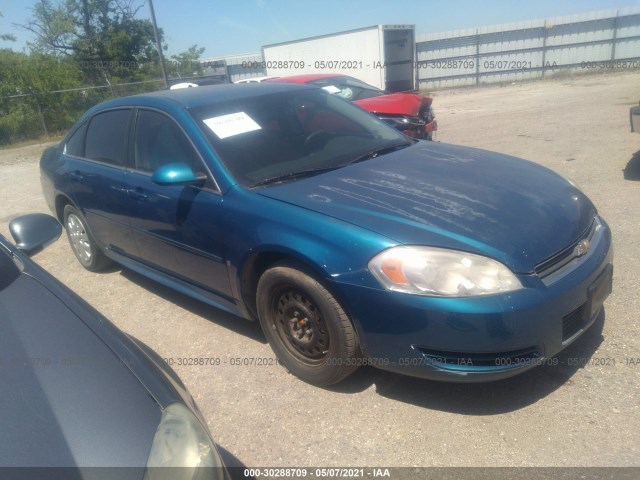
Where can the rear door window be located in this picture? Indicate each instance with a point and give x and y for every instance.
(107, 137)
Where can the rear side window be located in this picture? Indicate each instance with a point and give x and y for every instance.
(75, 144)
(107, 137)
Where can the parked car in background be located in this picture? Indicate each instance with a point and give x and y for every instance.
(411, 113)
(348, 241)
(254, 79)
(634, 118)
(183, 85)
(77, 392)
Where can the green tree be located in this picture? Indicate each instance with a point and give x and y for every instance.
(186, 64)
(33, 100)
(102, 36)
(79, 42)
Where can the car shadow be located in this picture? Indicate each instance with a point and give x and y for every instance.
(227, 320)
(237, 469)
(632, 169)
(489, 398)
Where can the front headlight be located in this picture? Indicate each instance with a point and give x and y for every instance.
(403, 122)
(441, 272)
(182, 449)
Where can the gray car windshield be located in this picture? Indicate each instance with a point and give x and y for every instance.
(284, 136)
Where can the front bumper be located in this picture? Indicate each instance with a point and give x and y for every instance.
(411, 126)
(432, 126)
(481, 338)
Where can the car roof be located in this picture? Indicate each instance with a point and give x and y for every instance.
(305, 78)
(200, 96)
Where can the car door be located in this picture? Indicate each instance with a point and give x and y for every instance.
(177, 228)
(95, 159)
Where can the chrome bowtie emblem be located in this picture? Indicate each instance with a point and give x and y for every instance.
(581, 248)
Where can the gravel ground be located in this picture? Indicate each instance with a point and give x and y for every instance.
(568, 415)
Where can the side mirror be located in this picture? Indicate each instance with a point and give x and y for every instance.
(34, 232)
(177, 174)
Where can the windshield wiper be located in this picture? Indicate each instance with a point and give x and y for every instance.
(293, 175)
(313, 171)
(379, 151)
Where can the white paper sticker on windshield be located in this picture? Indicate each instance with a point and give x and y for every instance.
(233, 124)
(331, 89)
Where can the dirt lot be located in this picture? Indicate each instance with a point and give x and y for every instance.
(584, 415)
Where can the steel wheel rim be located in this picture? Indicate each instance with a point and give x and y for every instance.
(300, 326)
(79, 239)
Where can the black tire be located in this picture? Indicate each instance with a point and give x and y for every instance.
(306, 327)
(82, 243)
(428, 115)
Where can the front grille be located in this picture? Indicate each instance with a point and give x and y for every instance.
(573, 322)
(445, 359)
(558, 265)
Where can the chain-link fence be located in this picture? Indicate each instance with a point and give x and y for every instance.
(33, 115)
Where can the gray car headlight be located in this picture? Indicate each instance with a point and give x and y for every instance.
(441, 272)
(182, 449)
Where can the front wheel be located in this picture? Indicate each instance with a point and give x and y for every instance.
(82, 243)
(428, 115)
(306, 327)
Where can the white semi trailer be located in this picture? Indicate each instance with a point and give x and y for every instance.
(381, 55)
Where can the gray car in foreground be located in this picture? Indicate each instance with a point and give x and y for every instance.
(78, 393)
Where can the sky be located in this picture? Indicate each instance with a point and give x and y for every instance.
(228, 27)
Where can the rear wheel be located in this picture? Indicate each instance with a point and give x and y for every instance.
(82, 243)
(307, 328)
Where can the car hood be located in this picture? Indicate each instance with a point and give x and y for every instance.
(67, 400)
(454, 197)
(395, 103)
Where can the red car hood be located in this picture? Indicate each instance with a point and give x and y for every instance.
(395, 103)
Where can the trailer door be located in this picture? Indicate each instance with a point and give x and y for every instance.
(399, 56)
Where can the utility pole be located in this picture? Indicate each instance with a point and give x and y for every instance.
(158, 46)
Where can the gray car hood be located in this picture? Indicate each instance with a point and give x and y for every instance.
(66, 399)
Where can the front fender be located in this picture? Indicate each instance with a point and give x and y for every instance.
(334, 250)
(396, 104)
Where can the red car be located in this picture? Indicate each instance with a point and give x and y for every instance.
(411, 113)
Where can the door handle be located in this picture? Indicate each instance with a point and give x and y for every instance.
(137, 194)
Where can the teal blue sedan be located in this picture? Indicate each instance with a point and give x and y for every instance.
(351, 243)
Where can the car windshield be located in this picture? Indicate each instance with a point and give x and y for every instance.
(348, 88)
(283, 136)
